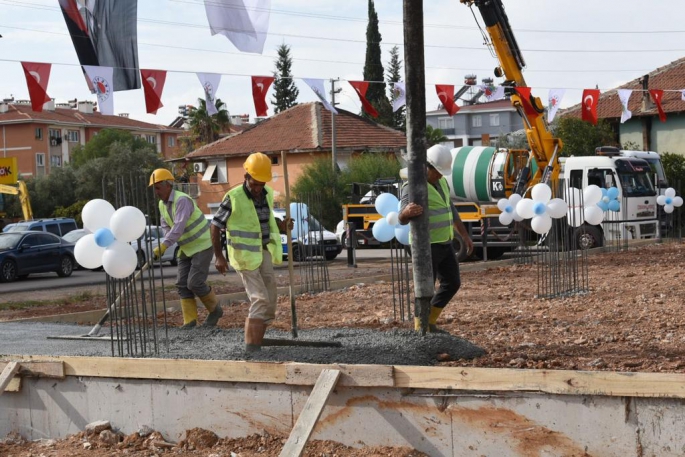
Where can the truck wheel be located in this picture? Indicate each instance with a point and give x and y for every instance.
(494, 253)
(588, 237)
(331, 255)
(459, 247)
(298, 254)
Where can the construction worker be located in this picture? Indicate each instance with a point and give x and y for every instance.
(443, 219)
(254, 243)
(183, 223)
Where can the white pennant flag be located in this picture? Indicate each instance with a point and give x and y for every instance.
(553, 102)
(492, 93)
(624, 95)
(317, 87)
(244, 22)
(101, 82)
(399, 96)
(210, 84)
(682, 95)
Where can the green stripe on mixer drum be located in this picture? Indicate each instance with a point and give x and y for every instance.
(481, 175)
(458, 171)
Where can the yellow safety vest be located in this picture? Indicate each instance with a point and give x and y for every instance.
(440, 219)
(195, 237)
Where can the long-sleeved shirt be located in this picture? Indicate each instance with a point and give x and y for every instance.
(261, 205)
(184, 208)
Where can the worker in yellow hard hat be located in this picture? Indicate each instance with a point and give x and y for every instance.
(254, 243)
(184, 224)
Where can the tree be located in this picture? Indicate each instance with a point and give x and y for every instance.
(285, 90)
(399, 117)
(580, 138)
(674, 168)
(98, 146)
(206, 127)
(373, 71)
(434, 136)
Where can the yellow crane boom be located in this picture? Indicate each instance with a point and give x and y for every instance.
(23, 193)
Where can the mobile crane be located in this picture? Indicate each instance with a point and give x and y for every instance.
(22, 192)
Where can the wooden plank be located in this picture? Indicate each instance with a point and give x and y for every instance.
(14, 385)
(7, 374)
(564, 382)
(43, 369)
(310, 413)
(304, 374)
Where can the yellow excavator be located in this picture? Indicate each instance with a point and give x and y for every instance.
(22, 192)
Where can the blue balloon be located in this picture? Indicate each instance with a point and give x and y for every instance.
(386, 203)
(103, 237)
(612, 192)
(539, 208)
(383, 231)
(602, 204)
(300, 215)
(604, 192)
(614, 205)
(402, 234)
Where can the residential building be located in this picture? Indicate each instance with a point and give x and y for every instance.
(44, 140)
(303, 132)
(474, 123)
(644, 130)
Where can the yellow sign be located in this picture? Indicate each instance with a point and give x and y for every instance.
(8, 170)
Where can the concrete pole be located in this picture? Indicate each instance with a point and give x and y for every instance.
(333, 140)
(415, 80)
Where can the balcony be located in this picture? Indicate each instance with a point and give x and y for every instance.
(191, 189)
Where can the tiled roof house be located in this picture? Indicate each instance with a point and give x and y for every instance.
(644, 128)
(303, 132)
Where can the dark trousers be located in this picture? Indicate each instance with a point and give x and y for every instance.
(446, 271)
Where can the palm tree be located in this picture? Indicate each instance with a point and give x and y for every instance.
(434, 136)
(207, 128)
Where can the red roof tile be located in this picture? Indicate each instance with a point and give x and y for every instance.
(306, 128)
(670, 78)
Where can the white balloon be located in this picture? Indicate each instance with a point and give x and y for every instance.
(541, 193)
(517, 216)
(593, 215)
(677, 201)
(502, 204)
(668, 208)
(96, 214)
(541, 224)
(670, 192)
(393, 218)
(592, 195)
(525, 208)
(557, 208)
(127, 223)
(87, 253)
(661, 200)
(514, 199)
(506, 218)
(119, 260)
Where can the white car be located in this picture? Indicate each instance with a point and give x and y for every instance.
(149, 241)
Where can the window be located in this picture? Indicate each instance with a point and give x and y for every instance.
(55, 161)
(40, 164)
(73, 136)
(171, 141)
(52, 228)
(55, 133)
(39, 133)
(210, 174)
(446, 123)
(476, 121)
(66, 227)
(274, 160)
(494, 119)
(152, 139)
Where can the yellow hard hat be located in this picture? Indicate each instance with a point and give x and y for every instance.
(258, 165)
(160, 174)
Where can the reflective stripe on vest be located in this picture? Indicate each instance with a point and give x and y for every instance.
(195, 237)
(244, 232)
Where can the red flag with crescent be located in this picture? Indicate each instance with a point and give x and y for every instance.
(153, 85)
(260, 85)
(657, 96)
(590, 99)
(524, 94)
(360, 87)
(37, 77)
(446, 96)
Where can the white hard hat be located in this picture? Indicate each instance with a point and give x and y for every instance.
(440, 158)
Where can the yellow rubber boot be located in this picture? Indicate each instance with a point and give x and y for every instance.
(189, 308)
(211, 302)
(433, 319)
(417, 324)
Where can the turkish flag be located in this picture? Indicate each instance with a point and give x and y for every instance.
(360, 87)
(37, 77)
(153, 85)
(590, 99)
(260, 85)
(657, 95)
(528, 108)
(446, 96)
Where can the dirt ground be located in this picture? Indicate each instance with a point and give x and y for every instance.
(631, 320)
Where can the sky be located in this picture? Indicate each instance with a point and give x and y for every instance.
(571, 44)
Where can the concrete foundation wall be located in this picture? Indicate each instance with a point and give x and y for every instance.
(437, 422)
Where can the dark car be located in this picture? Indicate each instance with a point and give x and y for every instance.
(23, 253)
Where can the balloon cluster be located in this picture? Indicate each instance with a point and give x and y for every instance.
(541, 208)
(585, 207)
(508, 208)
(108, 245)
(389, 227)
(669, 201)
(609, 200)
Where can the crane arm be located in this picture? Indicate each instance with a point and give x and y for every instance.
(545, 148)
(23, 194)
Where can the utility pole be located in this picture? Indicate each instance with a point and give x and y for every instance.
(333, 103)
(415, 80)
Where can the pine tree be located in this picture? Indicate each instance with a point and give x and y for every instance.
(399, 118)
(373, 70)
(285, 90)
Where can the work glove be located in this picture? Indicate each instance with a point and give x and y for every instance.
(158, 252)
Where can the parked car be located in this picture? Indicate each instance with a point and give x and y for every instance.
(310, 245)
(149, 241)
(73, 237)
(60, 226)
(23, 253)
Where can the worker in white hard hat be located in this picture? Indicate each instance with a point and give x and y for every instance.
(443, 219)
(254, 243)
